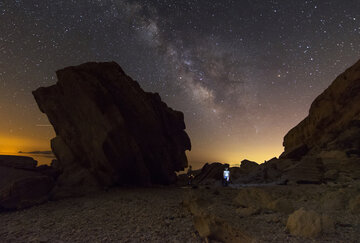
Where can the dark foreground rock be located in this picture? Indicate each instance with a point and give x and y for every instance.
(109, 131)
(18, 162)
(22, 184)
(275, 213)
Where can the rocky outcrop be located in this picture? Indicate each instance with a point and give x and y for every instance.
(210, 173)
(22, 184)
(109, 131)
(327, 142)
(307, 170)
(333, 123)
(213, 172)
(247, 165)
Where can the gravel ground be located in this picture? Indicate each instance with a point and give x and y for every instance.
(158, 215)
(119, 215)
(270, 226)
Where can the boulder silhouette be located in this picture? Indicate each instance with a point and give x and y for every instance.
(109, 131)
(22, 184)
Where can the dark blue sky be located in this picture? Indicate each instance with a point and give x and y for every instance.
(243, 72)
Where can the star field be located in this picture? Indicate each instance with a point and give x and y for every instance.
(243, 72)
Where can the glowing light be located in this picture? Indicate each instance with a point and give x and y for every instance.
(14, 144)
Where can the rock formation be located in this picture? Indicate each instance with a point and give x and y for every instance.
(22, 184)
(109, 131)
(309, 224)
(210, 173)
(324, 147)
(333, 123)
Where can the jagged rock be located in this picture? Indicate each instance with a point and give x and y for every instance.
(109, 131)
(333, 123)
(22, 184)
(327, 142)
(309, 224)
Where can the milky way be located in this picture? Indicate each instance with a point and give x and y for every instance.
(243, 72)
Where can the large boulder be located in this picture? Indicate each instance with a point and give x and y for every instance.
(333, 123)
(309, 224)
(109, 131)
(22, 184)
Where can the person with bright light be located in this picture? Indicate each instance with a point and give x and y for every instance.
(226, 176)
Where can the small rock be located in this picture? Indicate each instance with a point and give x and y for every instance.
(246, 212)
(273, 219)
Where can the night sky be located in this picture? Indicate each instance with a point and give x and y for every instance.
(243, 72)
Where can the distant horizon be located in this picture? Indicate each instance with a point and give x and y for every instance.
(43, 157)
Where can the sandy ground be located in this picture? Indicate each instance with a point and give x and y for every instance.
(119, 215)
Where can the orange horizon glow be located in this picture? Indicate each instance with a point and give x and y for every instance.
(14, 144)
(233, 156)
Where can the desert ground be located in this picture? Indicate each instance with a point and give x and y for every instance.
(204, 213)
(118, 215)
